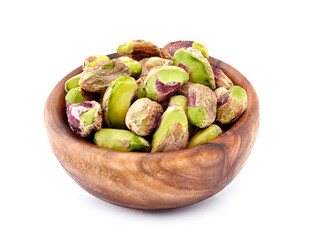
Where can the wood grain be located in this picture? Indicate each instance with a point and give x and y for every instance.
(157, 180)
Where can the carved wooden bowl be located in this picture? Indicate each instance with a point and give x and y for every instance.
(153, 180)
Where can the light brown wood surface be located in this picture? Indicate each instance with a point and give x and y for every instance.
(153, 180)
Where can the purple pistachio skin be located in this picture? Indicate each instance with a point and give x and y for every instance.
(183, 67)
(143, 116)
(183, 90)
(169, 49)
(74, 112)
(231, 105)
(221, 79)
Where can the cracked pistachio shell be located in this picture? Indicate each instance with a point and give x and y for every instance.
(117, 100)
(172, 132)
(200, 69)
(143, 116)
(162, 82)
(231, 105)
(169, 49)
(220, 91)
(138, 49)
(181, 101)
(92, 61)
(221, 79)
(201, 105)
(72, 82)
(96, 79)
(205, 135)
(120, 140)
(134, 66)
(84, 117)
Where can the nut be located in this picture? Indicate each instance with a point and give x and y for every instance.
(117, 100)
(92, 61)
(220, 91)
(169, 49)
(84, 117)
(200, 69)
(144, 71)
(157, 61)
(183, 90)
(75, 96)
(72, 82)
(120, 140)
(231, 105)
(172, 133)
(143, 116)
(141, 93)
(181, 101)
(134, 66)
(221, 78)
(205, 135)
(96, 79)
(138, 49)
(201, 105)
(162, 82)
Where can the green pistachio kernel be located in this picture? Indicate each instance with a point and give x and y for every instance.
(92, 61)
(72, 82)
(88, 117)
(205, 135)
(74, 96)
(200, 69)
(134, 66)
(202, 48)
(117, 101)
(121, 140)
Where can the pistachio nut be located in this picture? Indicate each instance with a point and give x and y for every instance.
(117, 100)
(169, 49)
(92, 61)
(120, 140)
(143, 116)
(221, 79)
(220, 91)
(138, 49)
(96, 79)
(162, 82)
(172, 132)
(200, 69)
(205, 135)
(231, 105)
(84, 117)
(201, 105)
(75, 96)
(134, 66)
(72, 82)
(183, 90)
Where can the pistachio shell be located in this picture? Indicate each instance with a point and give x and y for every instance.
(172, 133)
(205, 135)
(200, 69)
(201, 105)
(117, 100)
(143, 116)
(121, 140)
(231, 105)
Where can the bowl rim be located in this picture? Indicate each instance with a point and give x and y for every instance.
(236, 127)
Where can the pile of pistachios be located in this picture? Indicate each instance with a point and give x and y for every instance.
(152, 99)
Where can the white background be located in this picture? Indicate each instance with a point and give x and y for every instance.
(267, 41)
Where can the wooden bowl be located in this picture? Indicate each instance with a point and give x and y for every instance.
(153, 180)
